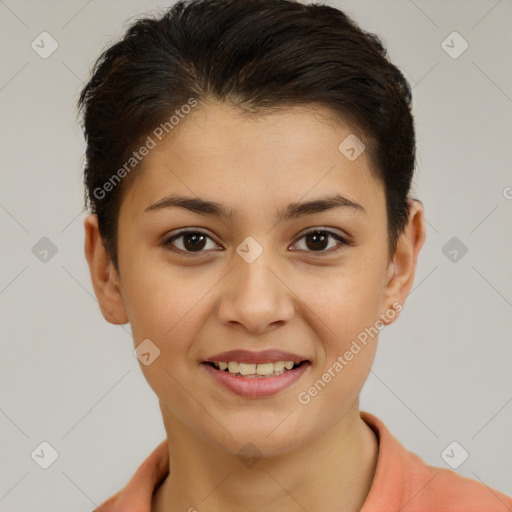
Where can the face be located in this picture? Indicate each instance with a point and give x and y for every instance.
(263, 277)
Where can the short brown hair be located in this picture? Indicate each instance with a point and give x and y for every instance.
(259, 55)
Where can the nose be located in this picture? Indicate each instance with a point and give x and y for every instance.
(255, 296)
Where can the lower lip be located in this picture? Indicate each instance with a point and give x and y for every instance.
(256, 387)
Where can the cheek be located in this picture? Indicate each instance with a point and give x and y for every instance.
(346, 301)
(346, 309)
(169, 306)
(163, 301)
(166, 308)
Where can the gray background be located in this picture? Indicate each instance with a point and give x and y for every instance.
(69, 378)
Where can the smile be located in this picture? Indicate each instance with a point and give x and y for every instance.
(256, 370)
(252, 380)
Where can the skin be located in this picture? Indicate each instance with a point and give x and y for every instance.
(320, 456)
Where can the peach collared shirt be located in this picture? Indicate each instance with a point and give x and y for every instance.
(403, 482)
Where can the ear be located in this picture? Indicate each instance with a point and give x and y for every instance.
(103, 275)
(402, 268)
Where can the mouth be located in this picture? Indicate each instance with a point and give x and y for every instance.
(256, 380)
(252, 370)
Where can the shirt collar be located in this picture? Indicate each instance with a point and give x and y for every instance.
(385, 493)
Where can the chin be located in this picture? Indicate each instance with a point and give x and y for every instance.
(258, 439)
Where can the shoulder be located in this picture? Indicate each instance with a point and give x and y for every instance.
(403, 481)
(447, 491)
(137, 494)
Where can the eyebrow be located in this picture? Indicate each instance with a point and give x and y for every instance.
(292, 211)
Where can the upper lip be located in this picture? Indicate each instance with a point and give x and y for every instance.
(246, 356)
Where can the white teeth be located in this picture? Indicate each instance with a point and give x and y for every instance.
(279, 366)
(265, 369)
(233, 367)
(246, 369)
(251, 369)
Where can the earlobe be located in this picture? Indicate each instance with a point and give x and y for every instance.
(403, 267)
(103, 275)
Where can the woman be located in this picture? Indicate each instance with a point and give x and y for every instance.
(248, 172)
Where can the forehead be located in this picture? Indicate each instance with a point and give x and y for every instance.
(220, 153)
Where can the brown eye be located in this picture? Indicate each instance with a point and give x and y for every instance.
(192, 241)
(318, 241)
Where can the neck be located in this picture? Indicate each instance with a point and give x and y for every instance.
(333, 472)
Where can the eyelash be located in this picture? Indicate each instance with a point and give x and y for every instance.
(343, 241)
